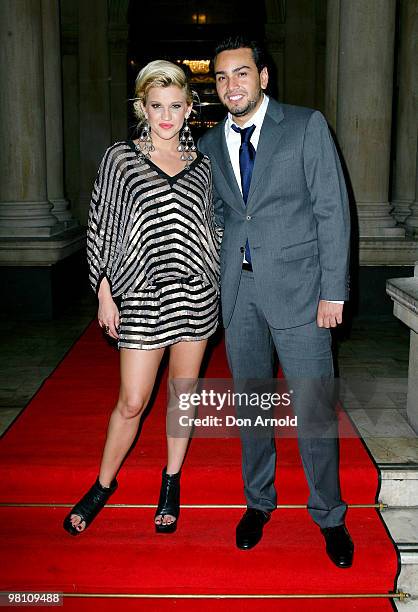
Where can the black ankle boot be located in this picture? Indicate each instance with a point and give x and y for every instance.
(89, 506)
(169, 502)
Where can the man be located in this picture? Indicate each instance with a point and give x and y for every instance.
(280, 195)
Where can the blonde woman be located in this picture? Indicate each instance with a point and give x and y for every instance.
(152, 243)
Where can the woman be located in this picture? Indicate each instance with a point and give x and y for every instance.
(152, 242)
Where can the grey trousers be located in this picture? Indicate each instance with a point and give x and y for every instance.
(305, 356)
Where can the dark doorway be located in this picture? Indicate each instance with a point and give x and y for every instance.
(186, 32)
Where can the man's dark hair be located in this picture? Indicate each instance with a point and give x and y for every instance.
(242, 42)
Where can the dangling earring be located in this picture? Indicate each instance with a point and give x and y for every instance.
(186, 146)
(146, 146)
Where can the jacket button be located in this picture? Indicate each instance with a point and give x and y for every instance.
(242, 249)
(249, 217)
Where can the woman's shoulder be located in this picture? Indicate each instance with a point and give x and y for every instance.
(118, 153)
(120, 147)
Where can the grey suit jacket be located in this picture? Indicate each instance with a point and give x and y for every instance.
(296, 218)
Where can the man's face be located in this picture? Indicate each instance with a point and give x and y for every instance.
(238, 82)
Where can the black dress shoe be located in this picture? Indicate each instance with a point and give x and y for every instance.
(340, 547)
(250, 528)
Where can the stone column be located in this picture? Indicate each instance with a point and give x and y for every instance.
(300, 53)
(331, 61)
(365, 76)
(118, 58)
(406, 175)
(275, 36)
(118, 83)
(95, 122)
(71, 102)
(53, 111)
(412, 221)
(320, 54)
(24, 207)
(406, 124)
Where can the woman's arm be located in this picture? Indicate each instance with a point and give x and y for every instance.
(102, 223)
(108, 314)
(101, 242)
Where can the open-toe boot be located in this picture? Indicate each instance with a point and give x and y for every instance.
(169, 502)
(89, 506)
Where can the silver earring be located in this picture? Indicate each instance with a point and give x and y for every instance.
(186, 146)
(146, 146)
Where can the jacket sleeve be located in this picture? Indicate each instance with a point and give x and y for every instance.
(102, 228)
(218, 207)
(217, 201)
(329, 198)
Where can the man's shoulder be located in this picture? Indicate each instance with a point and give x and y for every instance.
(292, 112)
(212, 134)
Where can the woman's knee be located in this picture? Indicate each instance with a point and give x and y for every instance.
(179, 388)
(130, 407)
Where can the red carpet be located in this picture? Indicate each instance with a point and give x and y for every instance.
(51, 455)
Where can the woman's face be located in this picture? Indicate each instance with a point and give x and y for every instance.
(166, 109)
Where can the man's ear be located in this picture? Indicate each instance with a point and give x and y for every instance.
(264, 77)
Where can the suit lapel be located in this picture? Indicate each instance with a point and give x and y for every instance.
(271, 133)
(221, 154)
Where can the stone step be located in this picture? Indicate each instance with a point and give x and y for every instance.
(392, 443)
(399, 484)
(403, 527)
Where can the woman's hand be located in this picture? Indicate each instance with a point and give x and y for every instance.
(108, 314)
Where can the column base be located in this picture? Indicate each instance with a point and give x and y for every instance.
(411, 224)
(61, 211)
(375, 221)
(28, 220)
(40, 277)
(40, 293)
(401, 210)
(42, 251)
(381, 232)
(378, 251)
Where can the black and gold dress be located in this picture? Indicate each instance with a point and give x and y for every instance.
(154, 238)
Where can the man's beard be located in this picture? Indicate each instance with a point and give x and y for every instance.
(251, 104)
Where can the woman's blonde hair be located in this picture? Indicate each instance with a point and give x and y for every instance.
(159, 73)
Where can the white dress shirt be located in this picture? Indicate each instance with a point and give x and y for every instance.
(233, 139)
(233, 142)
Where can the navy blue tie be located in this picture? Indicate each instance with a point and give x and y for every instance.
(246, 165)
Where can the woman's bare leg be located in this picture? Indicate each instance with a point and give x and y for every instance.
(138, 372)
(185, 362)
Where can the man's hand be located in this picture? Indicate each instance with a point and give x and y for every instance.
(329, 314)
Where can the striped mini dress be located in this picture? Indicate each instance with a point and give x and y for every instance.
(153, 236)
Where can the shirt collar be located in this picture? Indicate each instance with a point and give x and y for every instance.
(256, 119)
